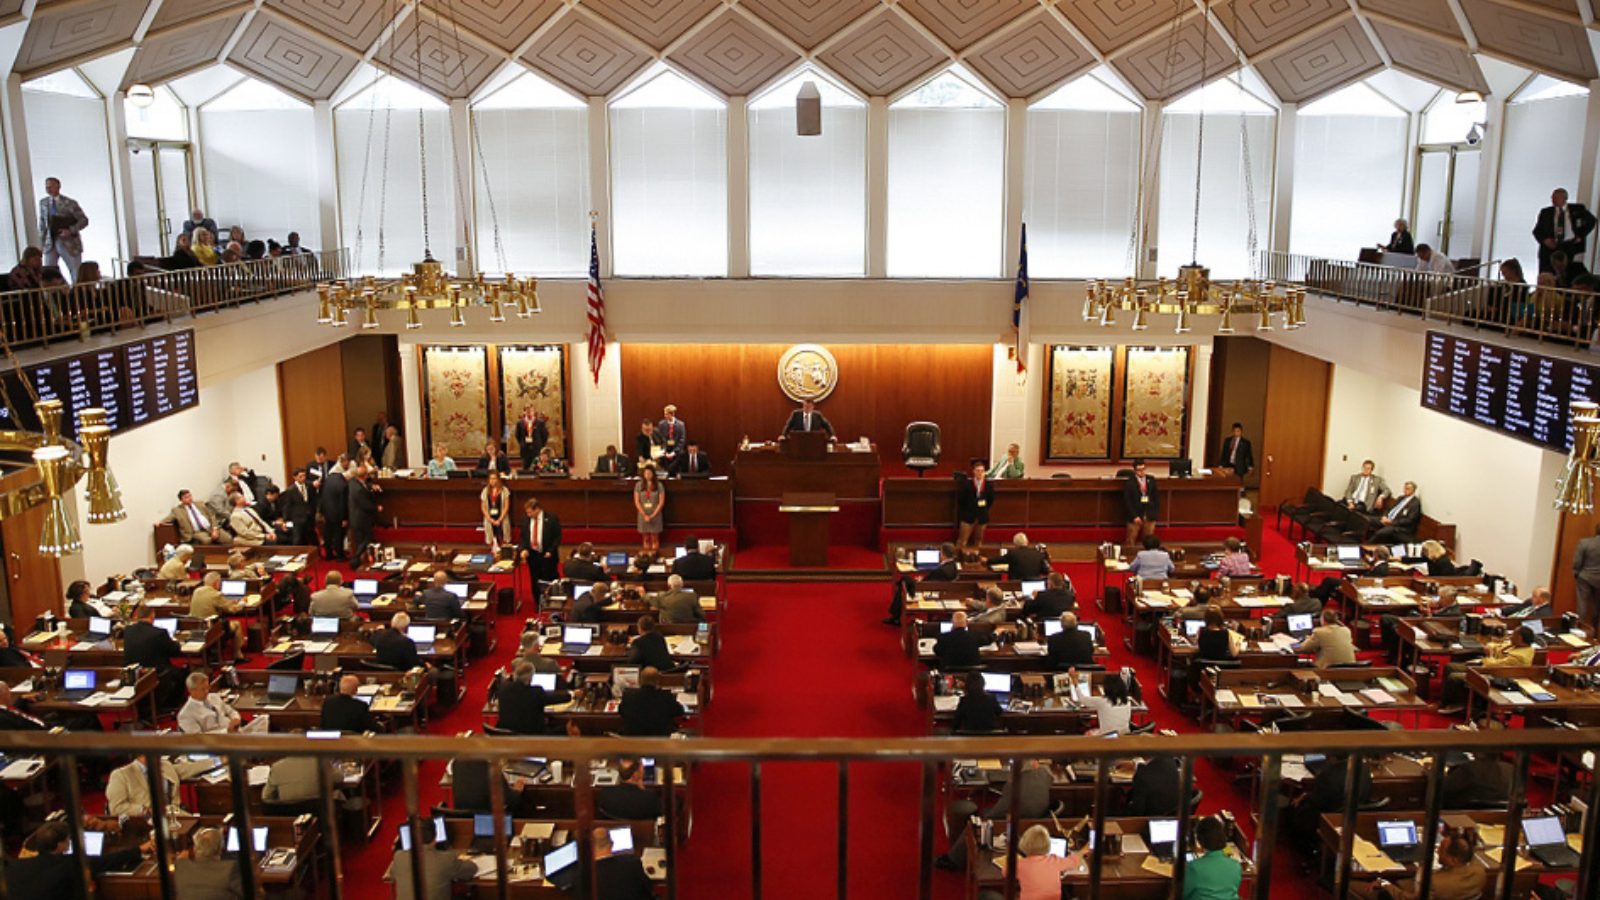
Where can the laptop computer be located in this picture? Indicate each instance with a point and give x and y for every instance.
(997, 682)
(325, 625)
(622, 840)
(422, 635)
(1349, 554)
(459, 588)
(617, 558)
(281, 688)
(440, 834)
(258, 839)
(99, 628)
(76, 684)
(232, 587)
(925, 559)
(1089, 628)
(1163, 838)
(169, 625)
(1192, 627)
(1029, 588)
(364, 588)
(458, 473)
(483, 831)
(1398, 841)
(575, 639)
(546, 680)
(1052, 627)
(1547, 842)
(679, 552)
(1058, 847)
(561, 866)
(94, 843)
(1299, 624)
(947, 627)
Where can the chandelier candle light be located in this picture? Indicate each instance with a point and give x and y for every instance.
(1194, 294)
(426, 287)
(61, 463)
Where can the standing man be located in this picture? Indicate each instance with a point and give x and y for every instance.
(364, 510)
(298, 505)
(60, 220)
(1586, 576)
(532, 434)
(1561, 226)
(1366, 491)
(541, 544)
(1237, 453)
(333, 499)
(318, 469)
(380, 433)
(806, 418)
(674, 434)
(1143, 502)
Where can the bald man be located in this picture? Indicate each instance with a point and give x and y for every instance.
(437, 603)
(677, 605)
(343, 712)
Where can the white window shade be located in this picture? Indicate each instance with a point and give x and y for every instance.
(67, 140)
(946, 182)
(258, 174)
(389, 211)
(1543, 151)
(1349, 174)
(1225, 215)
(669, 180)
(9, 230)
(808, 206)
(164, 119)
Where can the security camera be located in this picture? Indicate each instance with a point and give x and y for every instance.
(1475, 134)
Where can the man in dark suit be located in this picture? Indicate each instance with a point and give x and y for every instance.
(522, 702)
(470, 781)
(587, 605)
(146, 645)
(648, 443)
(1022, 561)
(628, 799)
(612, 462)
(1142, 501)
(364, 510)
(380, 435)
(393, 648)
(333, 499)
(358, 441)
(948, 569)
(1069, 647)
(437, 603)
(50, 873)
(694, 565)
(318, 468)
(1237, 454)
(1482, 780)
(1398, 524)
(532, 434)
(1562, 226)
(649, 710)
(581, 566)
(692, 461)
(343, 712)
(1155, 788)
(960, 646)
(806, 418)
(297, 506)
(540, 547)
(618, 876)
(1057, 597)
(674, 436)
(649, 649)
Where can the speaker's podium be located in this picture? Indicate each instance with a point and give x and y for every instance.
(808, 526)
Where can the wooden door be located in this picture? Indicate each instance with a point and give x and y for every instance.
(1294, 426)
(311, 402)
(33, 582)
(1574, 528)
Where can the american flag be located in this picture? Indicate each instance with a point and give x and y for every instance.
(1019, 311)
(597, 310)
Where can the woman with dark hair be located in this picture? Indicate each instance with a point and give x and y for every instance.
(649, 500)
(1152, 561)
(77, 601)
(978, 711)
(1215, 641)
(1113, 706)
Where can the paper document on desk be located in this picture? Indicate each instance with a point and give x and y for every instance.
(192, 646)
(1289, 701)
(87, 645)
(386, 704)
(681, 646)
(1156, 601)
(925, 645)
(316, 646)
(1226, 696)
(258, 775)
(688, 701)
(123, 695)
(1028, 648)
(418, 567)
(22, 768)
(366, 689)
(946, 703)
(1573, 640)
(1514, 698)
(1379, 697)
(1294, 770)
(1153, 865)
(487, 865)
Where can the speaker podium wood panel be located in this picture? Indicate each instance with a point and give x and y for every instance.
(726, 392)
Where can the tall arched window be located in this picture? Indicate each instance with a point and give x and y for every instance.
(258, 173)
(1543, 151)
(1349, 172)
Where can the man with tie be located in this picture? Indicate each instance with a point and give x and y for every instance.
(318, 469)
(194, 521)
(60, 220)
(1142, 502)
(693, 461)
(1237, 454)
(612, 463)
(1399, 522)
(364, 509)
(248, 527)
(532, 434)
(806, 418)
(1365, 491)
(674, 435)
(541, 543)
(1561, 226)
(298, 507)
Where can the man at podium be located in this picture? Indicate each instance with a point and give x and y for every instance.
(806, 418)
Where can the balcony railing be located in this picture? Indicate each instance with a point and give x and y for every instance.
(41, 317)
(1524, 310)
(1266, 751)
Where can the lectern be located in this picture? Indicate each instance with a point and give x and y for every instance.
(806, 445)
(808, 527)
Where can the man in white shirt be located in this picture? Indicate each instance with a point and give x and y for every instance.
(204, 713)
(1399, 522)
(1437, 263)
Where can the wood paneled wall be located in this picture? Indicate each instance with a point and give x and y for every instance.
(1294, 438)
(312, 402)
(725, 392)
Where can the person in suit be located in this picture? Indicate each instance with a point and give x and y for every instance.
(176, 567)
(1329, 642)
(318, 468)
(1459, 876)
(334, 599)
(364, 510)
(128, 789)
(618, 876)
(46, 871)
(61, 220)
(676, 605)
(1143, 502)
(694, 565)
(647, 444)
(249, 528)
(298, 507)
(692, 461)
(948, 569)
(146, 645)
(1561, 226)
(806, 418)
(1366, 491)
(343, 712)
(1023, 561)
(587, 605)
(393, 648)
(674, 436)
(1237, 454)
(1033, 802)
(612, 462)
(393, 454)
(581, 565)
(540, 547)
(532, 433)
(1586, 577)
(974, 499)
(522, 702)
(991, 610)
(442, 869)
(960, 647)
(1400, 240)
(208, 601)
(358, 443)
(1010, 467)
(333, 500)
(201, 873)
(194, 522)
(649, 710)
(1155, 789)
(1398, 524)
(978, 712)
(628, 799)
(437, 603)
(492, 460)
(471, 780)
(1481, 781)
(1070, 647)
(649, 649)
(1057, 597)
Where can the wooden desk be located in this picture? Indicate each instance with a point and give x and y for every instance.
(971, 565)
(351, 643)
(144, 884)
(213, 796)
(766, 473)
(545, 797)
(1175, 652)
(577, 502)
(201, 640)
(1262, 694)
(1005, 658)
(1568, 703)
(1491, 831)
(611, 654)
(395, 706)
(1056, 712)
(1241, 599)
(1051, 502)
(524, 857)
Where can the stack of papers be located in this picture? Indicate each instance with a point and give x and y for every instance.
(1510, 698)
(22, 768)
(258, 775)
(1028, 648)
(1369, 858)
(1226, 696)
(386, 704)
(946, 703)
(1573, 640)
(1376, 696)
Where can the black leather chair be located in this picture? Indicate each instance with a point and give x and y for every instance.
(920, 451)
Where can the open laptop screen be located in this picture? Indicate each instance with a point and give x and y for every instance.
(365, 587)
(1397, 834)
(1163, 831)
(1543, 831)
(1300, 622)
(457, 588)
(232, 587)
(997, 682)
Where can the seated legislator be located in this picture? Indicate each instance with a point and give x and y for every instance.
(1439, 562)
(948, 569)
(650, 647)
(1011, 466)
(442, 870)
(393, 648)
(1214, 875)
(128, 790)
(176, 568)
(522, 703)
(806, 418)
(694, 565)
(205, 712)
(581, 566)
(649, 710)
(629, 799)
(46, 871)
(1459, 876)
(1498, 654)
(978, 712)
(334, 600)
(991, 610)
(1152, 561)
(441, 465)
(692, 461)
(208, 602)
(146, 645)
(958, 648)
(1329, 642)
(1057, 597)
(1366, 491)
(618, 876)
(202, 873)
(974, 500)
(1069, 647)
(677, 605)
(587, 605)
(249, 528)
(1156, 788)
(1113, 706)
(1398, 524)
(1329, 784)
(437, 604)
(343, 712)
(1039, 872)
(1023, 562)
(1481, 781)
(16, 656)
(1142, 502)
(612, 462)
(492, 460)
(1235, 561)
(1033, 802)
(193, 521)
(1216, 640)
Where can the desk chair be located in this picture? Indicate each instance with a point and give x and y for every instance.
(358, 664)
(311, 805)
(920, 450)
(293, 661)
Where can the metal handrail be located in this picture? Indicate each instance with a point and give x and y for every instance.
(39, 317)
(1524, 310)
(67, 747)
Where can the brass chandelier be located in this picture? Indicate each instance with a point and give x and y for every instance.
(427, 286)
(61, 464)
(1575, 487)
(1194, 294)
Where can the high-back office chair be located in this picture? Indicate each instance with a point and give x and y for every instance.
(921, 448)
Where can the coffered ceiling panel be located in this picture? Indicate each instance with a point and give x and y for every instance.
(176, 12)
(1553, 45)
(1110, 24)
(1036, 55)
(1260, 24)
(962, 23)
(882, 55)
(1321, 64)
(178, 50)
(1434, 15)
(1569, 7)
(1162, 67)
(733, 54)
(57, 35)
(1431, 58)
(291, 59)
(809, 22)
(353, 23)
(585, 55)
(656, 22)
(9, 8)
(436, 57)
(503, 23)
